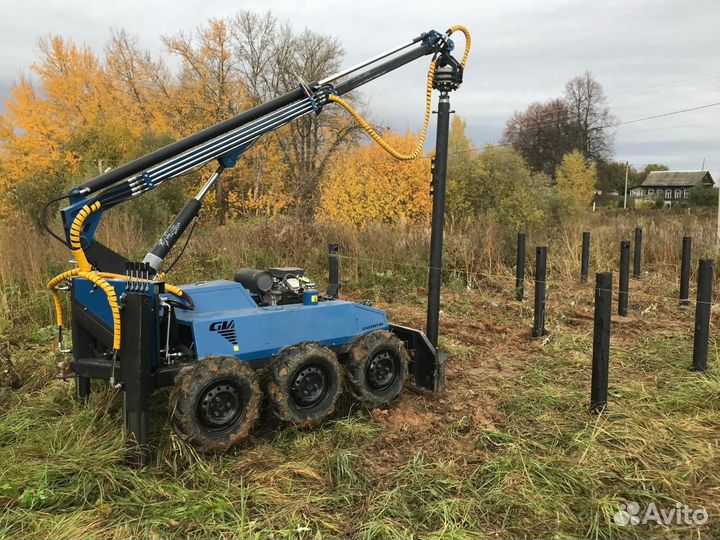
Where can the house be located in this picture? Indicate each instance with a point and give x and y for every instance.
(672, 186)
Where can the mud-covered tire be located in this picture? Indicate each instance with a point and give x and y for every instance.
(307, 381)
(377, 368)
(217, 403)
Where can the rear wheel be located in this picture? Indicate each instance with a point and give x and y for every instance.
(307, 381)
(377, 368)
(218, 402)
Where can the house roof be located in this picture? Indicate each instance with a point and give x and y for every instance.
(677, 178)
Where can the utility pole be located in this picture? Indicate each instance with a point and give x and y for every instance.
(627, 168)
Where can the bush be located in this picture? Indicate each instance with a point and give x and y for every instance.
(703, 196)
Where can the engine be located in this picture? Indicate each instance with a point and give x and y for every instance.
(276, 286)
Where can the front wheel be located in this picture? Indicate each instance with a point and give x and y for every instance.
(218, 402)
(377, 368)
(307, 381)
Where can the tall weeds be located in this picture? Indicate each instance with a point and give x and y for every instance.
(381, 260)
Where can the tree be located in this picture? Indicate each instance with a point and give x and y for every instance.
(575, 182)
(507, 189)
(142, 85)
(461, 169)
(493, 182)
(542, 134)
(546, 131)
(88, 112)
(273, 60)
(41, 126)
(611, 176)
(703, 196)
(366, 185)
(590, 117)
(211, 89)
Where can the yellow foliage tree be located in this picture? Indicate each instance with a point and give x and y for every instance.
(88, 112)
(262, 191)
(42, 129)
(365, 185)
(575, 181)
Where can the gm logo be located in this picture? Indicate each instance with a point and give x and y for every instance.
(227, 330)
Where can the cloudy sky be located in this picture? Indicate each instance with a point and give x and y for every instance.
(652, 56)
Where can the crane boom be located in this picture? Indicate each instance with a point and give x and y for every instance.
(224, 142)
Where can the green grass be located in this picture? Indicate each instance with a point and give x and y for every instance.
(509, 451)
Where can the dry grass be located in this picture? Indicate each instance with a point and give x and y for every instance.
(508, 451)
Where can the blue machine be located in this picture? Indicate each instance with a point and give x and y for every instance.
(226, 320)
(217, 341)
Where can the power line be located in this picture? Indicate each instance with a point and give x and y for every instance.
(707, 106)
(671, 84)
(667, 128)
(662, 99)
(614, 124)
(558, 121)
(659, 99)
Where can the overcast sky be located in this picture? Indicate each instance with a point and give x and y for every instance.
(651, 56)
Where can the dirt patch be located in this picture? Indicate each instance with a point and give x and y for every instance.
(405, 415)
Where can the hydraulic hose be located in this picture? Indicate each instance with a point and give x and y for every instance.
(100, 279)
(417, 151)
(468, 40)
(172, 289)
(103, 285)
(374, 134)
(76, 229)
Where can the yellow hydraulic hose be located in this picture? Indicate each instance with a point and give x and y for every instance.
(374, 134)
(468, 40)
(99, 279)
(417, 152)
(84, 270)
(76, 229)
(102, 284)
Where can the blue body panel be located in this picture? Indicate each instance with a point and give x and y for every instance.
(94, 299)
(218, 295)
(227, 321)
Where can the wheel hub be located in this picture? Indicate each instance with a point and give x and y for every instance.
(309, 386)
(382, 370)
(220, 406)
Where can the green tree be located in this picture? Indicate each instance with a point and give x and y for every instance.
(703, 196)
(462, 165)
(611, 176)
(576, 181)
(502, 186)
(642, 175)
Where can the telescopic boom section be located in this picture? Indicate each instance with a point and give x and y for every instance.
(226, 140)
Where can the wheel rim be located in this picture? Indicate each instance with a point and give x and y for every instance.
(221, 405)
(309, 386)
(382, 370)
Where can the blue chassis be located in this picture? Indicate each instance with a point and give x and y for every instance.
(227, 321)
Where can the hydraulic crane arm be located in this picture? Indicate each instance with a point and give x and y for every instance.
(225, 142)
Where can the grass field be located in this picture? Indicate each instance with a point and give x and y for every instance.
(509, 450)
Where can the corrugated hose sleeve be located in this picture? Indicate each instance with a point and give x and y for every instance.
(76, 229)
(417, 152)
(102, 284)
(468, 40)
